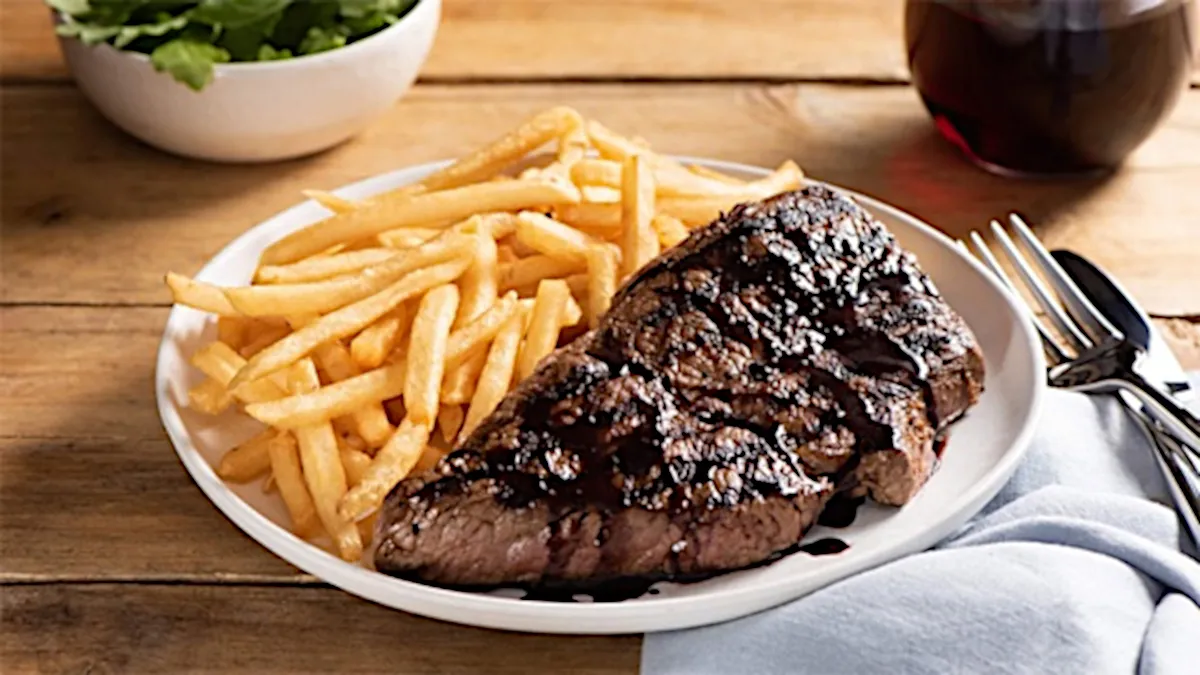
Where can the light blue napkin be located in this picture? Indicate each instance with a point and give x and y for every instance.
(1073, 568)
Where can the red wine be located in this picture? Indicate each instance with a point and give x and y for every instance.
(1049, 86)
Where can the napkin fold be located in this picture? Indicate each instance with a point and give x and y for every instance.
(1074, 567)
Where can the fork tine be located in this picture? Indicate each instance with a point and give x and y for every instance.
(1054, 353)
(1077, 304)
(1041, 294)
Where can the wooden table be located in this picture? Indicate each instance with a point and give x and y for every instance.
(112, 561)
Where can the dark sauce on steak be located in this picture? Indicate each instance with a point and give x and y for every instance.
(785, 353)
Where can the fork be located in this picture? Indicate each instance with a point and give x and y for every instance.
(1095, 358)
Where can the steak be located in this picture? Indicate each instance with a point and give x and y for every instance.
(788, 352)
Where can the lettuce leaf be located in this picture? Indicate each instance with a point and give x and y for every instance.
(189, 61)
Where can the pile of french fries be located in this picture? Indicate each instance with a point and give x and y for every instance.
(372, 342)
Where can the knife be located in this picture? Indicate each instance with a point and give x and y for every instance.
(1179, 463)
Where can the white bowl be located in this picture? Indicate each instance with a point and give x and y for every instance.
(253, 112)
(982, 452)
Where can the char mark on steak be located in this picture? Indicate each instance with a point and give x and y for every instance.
(789, 351)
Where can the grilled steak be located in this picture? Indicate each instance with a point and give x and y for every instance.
(788, 352)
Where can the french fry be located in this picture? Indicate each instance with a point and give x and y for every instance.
(232, 331)
(597, 172)
(573, 144)
(199, 295)
(550, 237)
(260, 334)
(713, 174)
(429, 459)
(407, 237)
(347, 320)
(394, 461)
(352, 441)
(669, 229)
(449, 421)
(458, 384)
(269, 486)
(219, 362)
(248, 460)
(492, 159)
(572, 312)
(527, 271)
(333, 400)
(369, 418)
(427, 353)
(323, 296)
(331, 201)
(322, 466)
(598, 194)
(355, 463)
(371, 347)
(323, 267)
(387, 212)
(289, 480)
(496, 376)
(639, 244)
(603, 272)
(544, 324)
(476, 334)
(505, 254)
(602, 221)
(210, 397)
(479, 284)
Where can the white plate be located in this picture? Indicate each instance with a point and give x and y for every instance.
(983, 450)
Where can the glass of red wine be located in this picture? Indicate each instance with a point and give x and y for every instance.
(1049, 87)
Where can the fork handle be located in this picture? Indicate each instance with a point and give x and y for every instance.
(1164, 409)
(1181, 477)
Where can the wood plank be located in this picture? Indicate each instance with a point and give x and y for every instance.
(90, 216)
(599, 39)
(137, 628)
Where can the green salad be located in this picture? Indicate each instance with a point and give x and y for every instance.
(186, 39)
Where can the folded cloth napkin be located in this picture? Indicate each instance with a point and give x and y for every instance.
(1075, 567)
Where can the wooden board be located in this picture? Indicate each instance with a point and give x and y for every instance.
(601, 39)
(92, 217)
(106, 628)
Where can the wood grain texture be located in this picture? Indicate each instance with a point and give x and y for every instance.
(103, 628)
(90, 216)
(601, 39)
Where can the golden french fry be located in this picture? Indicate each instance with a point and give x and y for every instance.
(459, 382)
(209, 397)
(269, 486)
(394, 461)
(550, 237)
(248, 460)
(347, 320)
(527, 271)
(713, 174)
(322, 466)
(366, 528)
(333, 400)
(505, 255)
(331, 201)
(218, 361)
(496, 156)
(497, 225)
(476, 334)
(388, 212)
(371, 347)
(352, 441)
(573, 144)
(695, 212)
(407, 237)
(479, 284)
(232, 331)
(496, 376)
(449, 420)
(670, 230)
(547, 318)
(572, 312)
(429, 459)
(603, 272)
(289, 480)
(602, 221)
(199, 295)
(598, 194)
(597, 172)
(672, 181)
(427, 353)
(320, 297)
(369, 418)
(639, 244)
(260, 334)
(355, 463)
(323, 267)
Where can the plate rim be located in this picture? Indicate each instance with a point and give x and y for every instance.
(480, 610)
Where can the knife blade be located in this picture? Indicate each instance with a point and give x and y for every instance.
(1159, 365)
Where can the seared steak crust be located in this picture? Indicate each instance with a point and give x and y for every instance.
(789, 351)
